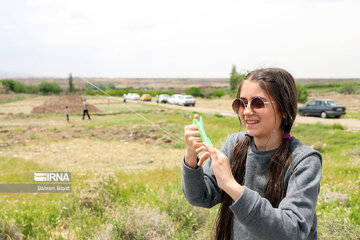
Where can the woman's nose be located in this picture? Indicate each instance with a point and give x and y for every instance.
(248, 110)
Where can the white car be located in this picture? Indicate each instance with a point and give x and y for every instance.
(176, 99)
(163, 98)
(188, 101)
(132, 96)
(182, 100)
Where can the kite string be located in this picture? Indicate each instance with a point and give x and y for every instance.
(138, 114)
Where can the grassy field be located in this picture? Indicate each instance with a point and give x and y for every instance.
(336, 86)
(126, 174)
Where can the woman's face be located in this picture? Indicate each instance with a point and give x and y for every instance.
(259, 122)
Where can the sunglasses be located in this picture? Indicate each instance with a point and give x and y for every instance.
(257, 104)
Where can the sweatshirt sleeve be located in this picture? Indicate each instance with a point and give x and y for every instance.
(294, 216)
(199, 185)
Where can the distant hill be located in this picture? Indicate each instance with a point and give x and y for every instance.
(157, 83)
(13, 75)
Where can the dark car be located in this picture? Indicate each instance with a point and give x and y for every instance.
(323, 108)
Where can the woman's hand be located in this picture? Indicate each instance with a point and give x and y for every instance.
(222, 170)
(193, 142)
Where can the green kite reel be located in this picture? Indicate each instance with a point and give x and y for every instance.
(202, 132)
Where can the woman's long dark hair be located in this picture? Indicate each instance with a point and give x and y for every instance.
(280, 85)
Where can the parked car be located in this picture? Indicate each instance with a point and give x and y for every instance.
(189, 101)
(133, 96)
(323, 108)
(176, 99)
(182, 100)
(145, 97)
(163, 98)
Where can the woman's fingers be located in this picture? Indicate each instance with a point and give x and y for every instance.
(191, 133)
(210, 152)
(203, 158)
(200, 149)
(210, 149)
(196, 116)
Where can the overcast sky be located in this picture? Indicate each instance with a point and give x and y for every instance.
(185, 38)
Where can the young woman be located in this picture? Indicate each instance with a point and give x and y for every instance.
(266, 180)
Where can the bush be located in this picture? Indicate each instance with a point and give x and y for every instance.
(47, 88)
(14, 86)
(143, 222)
(90, 92)
(302, 93)
(194, 91)
(32, 89)
(347, 88)
(218, 93)
(8, 83)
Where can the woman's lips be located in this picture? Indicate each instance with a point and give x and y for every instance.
(251, 122)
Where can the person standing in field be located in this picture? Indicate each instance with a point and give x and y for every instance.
(86, 111)
(67, 113)
(124, 97)
(266, 181)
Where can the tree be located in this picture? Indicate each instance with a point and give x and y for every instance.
(233, 78)
(71, 84)
(14, 86)
(236, 78)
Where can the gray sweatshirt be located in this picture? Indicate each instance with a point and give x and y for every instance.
(254, 216)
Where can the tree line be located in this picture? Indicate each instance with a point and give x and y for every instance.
(236, 77)
(43, 88)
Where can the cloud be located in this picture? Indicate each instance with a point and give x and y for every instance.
(180, 38)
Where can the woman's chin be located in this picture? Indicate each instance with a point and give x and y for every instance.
(251, 132)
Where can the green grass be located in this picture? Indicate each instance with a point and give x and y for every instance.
(331, 86)
(11, 99)
(138, 204)
(354, 115)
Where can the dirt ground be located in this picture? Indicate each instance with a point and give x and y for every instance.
(57, 104)
(98, 149)
(51, 141)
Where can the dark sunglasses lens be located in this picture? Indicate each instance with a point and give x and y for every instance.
(257, 103)
(238, 105)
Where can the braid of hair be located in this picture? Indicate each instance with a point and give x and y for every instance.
(274, 190)
(225, 216)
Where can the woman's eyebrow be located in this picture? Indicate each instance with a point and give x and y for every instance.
(258, 97)
(264, 98)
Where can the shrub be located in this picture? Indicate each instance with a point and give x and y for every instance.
(194, 91)
(32, 89)
(218, 93)
(90, 92)
(47, 88)
(143, 222)
(14, 86)
(347, 88)
(302, 93)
